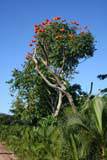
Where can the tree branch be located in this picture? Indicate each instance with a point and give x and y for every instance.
(54, 74)
(61, 88)
(58, 105)
(91, 88)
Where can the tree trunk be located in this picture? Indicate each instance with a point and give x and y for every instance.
(59, 86)
(58, 105)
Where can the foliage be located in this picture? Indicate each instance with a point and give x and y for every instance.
(79, 136)
(102, 76)
(6, 119)
(61, 45)
(33, 100)
(89, 129)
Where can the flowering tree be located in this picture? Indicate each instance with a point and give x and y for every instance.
(58, 47)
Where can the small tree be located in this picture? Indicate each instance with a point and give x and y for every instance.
(103, 77)
(57, 50)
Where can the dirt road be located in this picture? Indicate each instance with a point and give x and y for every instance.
(6, 155)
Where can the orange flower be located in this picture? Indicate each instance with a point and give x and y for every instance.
(58, 37)
(35, 25)
(57, 18)
(33, 41)
(43, 30)
(62, 29)
(75, 22)
(39, 30)
(63, 20)
(49, 23)
(36, 30)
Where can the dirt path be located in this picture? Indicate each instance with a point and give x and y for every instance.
(6, 155)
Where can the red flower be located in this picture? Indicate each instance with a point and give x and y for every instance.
(42, 23)
(49, 23)
(33, 41)
(28, 58)
(35, 25)
(75, 22)
(47, 20)
(30, 44)
(34, 36)
(57, 18)
(63, 20)
(36, 30)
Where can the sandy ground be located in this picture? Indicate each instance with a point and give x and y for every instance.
(6, 155)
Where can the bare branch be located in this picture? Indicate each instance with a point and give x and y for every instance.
(45, 79)
(54, 74)
(61, 88)
(34, 58)
(40, 73)
(50, 70)
(91, 88)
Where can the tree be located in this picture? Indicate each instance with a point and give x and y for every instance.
(59, 48)
(103, 77)
(34, 101)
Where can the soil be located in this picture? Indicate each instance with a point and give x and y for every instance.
(5, 154)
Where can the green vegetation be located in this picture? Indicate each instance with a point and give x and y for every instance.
(52, 120)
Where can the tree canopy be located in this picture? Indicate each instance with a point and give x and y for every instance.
(57, 51)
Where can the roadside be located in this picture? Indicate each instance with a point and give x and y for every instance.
(6, 155)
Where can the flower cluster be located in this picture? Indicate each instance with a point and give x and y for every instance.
(56, 18)
(58, 37)
(60, 33)
(75, 22)
(62, 29)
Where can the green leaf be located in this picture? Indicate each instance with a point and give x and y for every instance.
(98, 108)
(74, 147)
(76, 120)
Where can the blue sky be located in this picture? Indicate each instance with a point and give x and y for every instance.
(16, 30)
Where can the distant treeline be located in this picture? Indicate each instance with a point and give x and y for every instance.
(6, 119)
